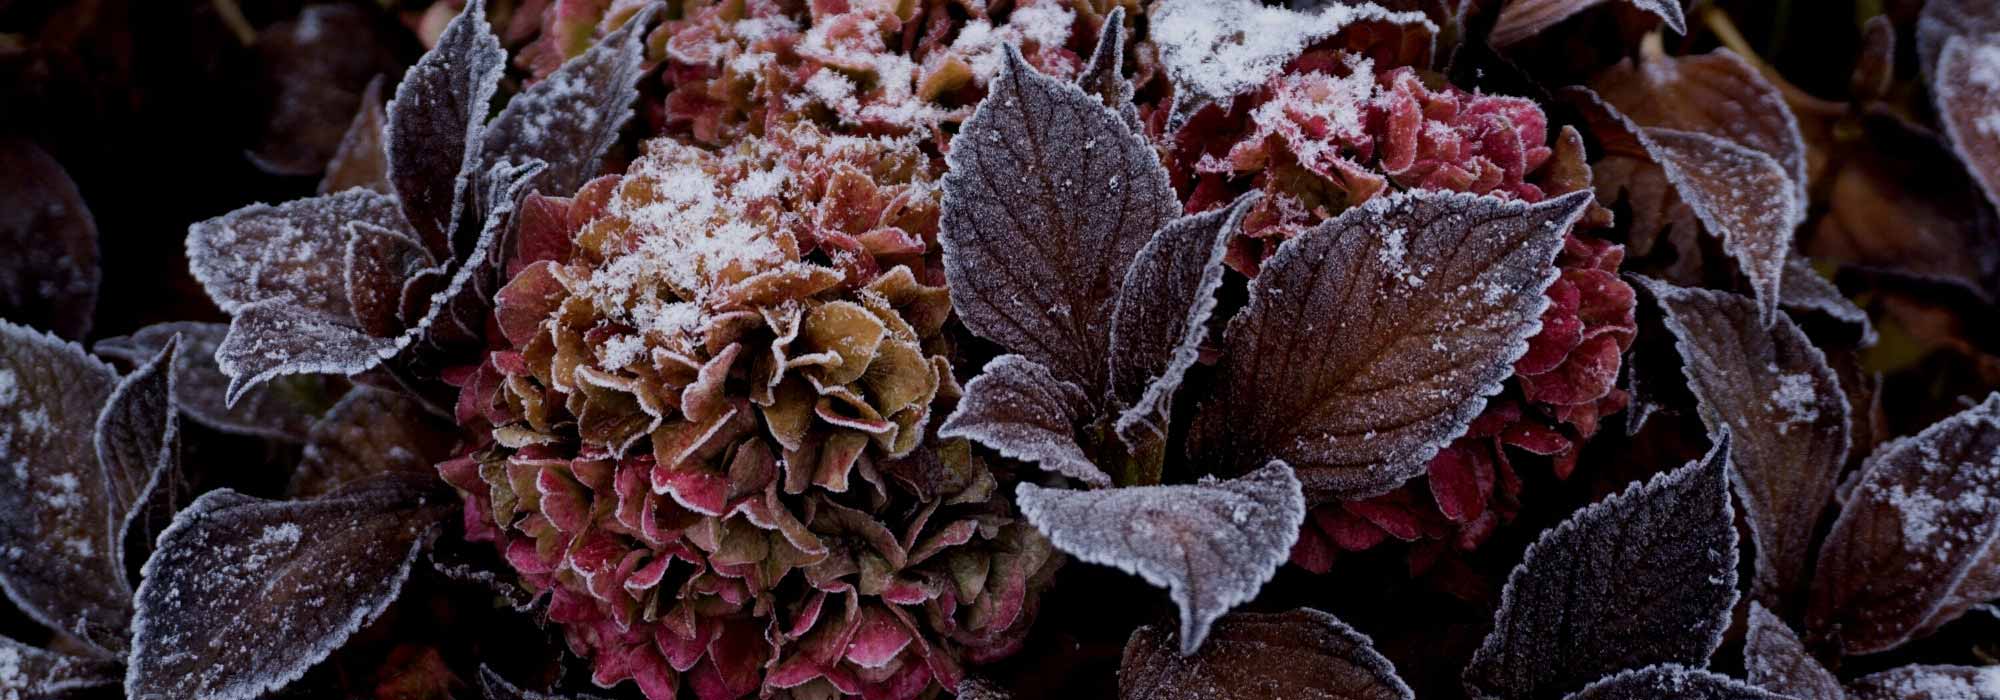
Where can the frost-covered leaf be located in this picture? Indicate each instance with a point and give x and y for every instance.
(1373, 339)
(291, 252)
(139, 447)
(1019, 409)
(1943, 19)
(49, 276)
(976, 688)
(1647, 576)
(1672, 682)
(456, 316)
(1718, 94)
(57, 542)
(1742, 196)
(1161, 319)
(1805, 291)
(1302, 654)
(1039, 172)
(1212, 544)
(573, 116)
(1773, 392)
(245, 594)
(1521, 19)
(360, 160)
(278, 410)
(493, 687)
(1967, 90)
(1104, 75)
(1775, 660)
(28, 672)
(369, 432)
(434, 123)
(1214, 50)
(310, 72)
(378, 263)
(1913, 547)
(1917, 682)
(275, 338)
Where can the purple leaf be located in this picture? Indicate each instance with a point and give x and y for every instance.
(493, 687)
(1929, 683)
(976, 688)
(245, 594)
(1041, 171)
(1521, 19)
(1161, 319)
(377, 263)
(1214, 50)
(49, 276)
(310, 73)
(1717, 94)
(456, 316)
(56, 509)
(1104, 75)
(573, 116)
(274, 338)
(1914, 545)
(290, 253)
(360, 160)
(1373, 339)
(1804, 291)
(1967, 89)
(29, 672)
(1303, 654)
(273, 411)
(1776, 661)
(1672, 682)
(1943, 19)
(1741, 196)
(434, 122)
(1647, 576)
(369, 432)
(1772, 390)
(1019, 409)
(1212, 544)
(139, 447)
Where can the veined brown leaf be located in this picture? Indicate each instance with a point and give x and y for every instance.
(1302, 654)
(1777, 661)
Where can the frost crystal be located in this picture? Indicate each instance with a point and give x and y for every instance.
(1672, 681)
(1217, 49)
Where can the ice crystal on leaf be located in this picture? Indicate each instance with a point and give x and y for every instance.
(277, 410)
(1672, 681)
(493, 687)
(1925, 682)
(1217, 50)
(1775, 660)
(1303, 654)
(245, 594)
(1967, 90)
(1718, 94)
(1646, 576)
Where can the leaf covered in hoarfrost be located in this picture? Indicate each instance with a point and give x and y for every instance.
(1773, 392)
(139, 447)
(379, 261)
(1214, 50)
(1040, 172)
(1522, 19)
(369, 432)
(243, 594)
(1967, 90)
(1914, 545)
(1212, 544)
(1927, 682)
(1941, 20)
(1718, 94)
(291, 252)
(1301, 654)
(976, 688)
(456, 316)
(1743, 196)
(360, 160)
(56, 509)
(434, 122)
(1023, 412)
(28, 672)
(573, 116)
(1775, 660)
(1672, 682)
(1373, 339)
(493, 687)
(1646, 576)
(275, 338)
(1804, 291)
(277, 411)
(1161, 319)
(1104, 75)
(49, 276)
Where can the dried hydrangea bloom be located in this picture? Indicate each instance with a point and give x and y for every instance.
(710, 436)
(1334, 130)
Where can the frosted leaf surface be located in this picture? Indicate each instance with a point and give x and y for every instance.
(1212, 544)
(378, 262)
(1019, 409)
(275, 338)
(1373, 339)
(1773, 392)
(1741, 195)
(1302, 654)
(291, 252)
(1929, 683)
(1041, 172)
(456, 315)
(1104, 75)
(1917, 529)
(1943, 19)
(1967, 90)
(1672, 682)
(369, 432)
(1646, 576)
(573, 116)
(1214, 50)
(49, 276)
(57, 541)
(975, 688)
(434, 122)
(268, 411)
(1805, 291)
(1161, 319)
(361, 160)
(138, 444)
(1717, 94)
(1775, 660)
(28, 673)
(493, 687)
(1522, 19)
(245, 594)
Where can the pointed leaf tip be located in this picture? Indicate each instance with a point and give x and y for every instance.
(1302, 654)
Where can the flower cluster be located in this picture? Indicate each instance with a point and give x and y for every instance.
(1332, 131)
(710, 429)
